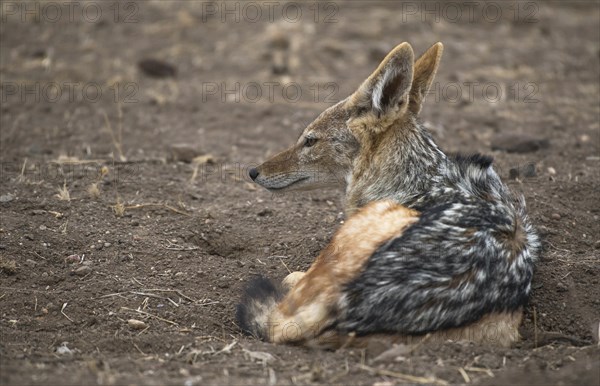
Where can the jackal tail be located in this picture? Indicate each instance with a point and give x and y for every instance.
(261, 296)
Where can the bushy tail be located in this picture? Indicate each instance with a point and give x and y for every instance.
(259, 300)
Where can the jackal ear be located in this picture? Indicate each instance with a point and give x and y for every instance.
(387, 89)
(425, 68)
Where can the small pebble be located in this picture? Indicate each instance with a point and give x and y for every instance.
(72, 259)
(106, 245)
(157, 68)
(555, 216)
(83, 270)
(6, 198)
(551, 171)
(64, 350)
(136, 324)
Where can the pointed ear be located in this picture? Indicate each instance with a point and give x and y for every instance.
(387, 89)
(425, 68)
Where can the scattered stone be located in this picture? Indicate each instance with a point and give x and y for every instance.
(261, 356)
(43, 227)
(223, 284)
(555, 216)
(597, 244)
(183, 152)
(157, 68)
(551, 171)
(31, 263)
(37, 212)
(514, 143)
(83, 270)
(63, 349)
(137, 324)
(561, 287)
(265, 212)
(106, 245)
(6, 198)
(28, 236)
(8, 266)
(73, 259)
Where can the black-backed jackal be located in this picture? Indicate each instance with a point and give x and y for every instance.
(434, 245)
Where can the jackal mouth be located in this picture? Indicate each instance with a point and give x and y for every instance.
(288, 185)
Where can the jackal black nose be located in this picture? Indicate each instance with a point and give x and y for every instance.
(253, 173)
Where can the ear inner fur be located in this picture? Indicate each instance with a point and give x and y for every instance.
(386, 90)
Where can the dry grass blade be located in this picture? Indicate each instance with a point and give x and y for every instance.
(22, 175)
(227, 348)
(464, 375)
(118, 207)
(165, 206)
(481, 370)
(62, 311)
(170, 290)
(117, 141)
(404, 377)
(261, 356)
(63, 193)
(174, 247)
(150, 315)
(155, 296)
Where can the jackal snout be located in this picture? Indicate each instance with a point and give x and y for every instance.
(321, 157)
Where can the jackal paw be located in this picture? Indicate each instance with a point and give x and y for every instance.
(292, 279)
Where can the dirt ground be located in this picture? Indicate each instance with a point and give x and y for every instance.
(105, 219)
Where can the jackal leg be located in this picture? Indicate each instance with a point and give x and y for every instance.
(312, 303)
(292, 279)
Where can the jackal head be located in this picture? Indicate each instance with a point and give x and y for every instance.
(347, 138)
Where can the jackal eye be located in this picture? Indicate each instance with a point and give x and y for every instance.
(309, 141)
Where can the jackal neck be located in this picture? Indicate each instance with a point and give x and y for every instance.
(401, 164)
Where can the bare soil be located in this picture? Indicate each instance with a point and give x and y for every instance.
(170, 243)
